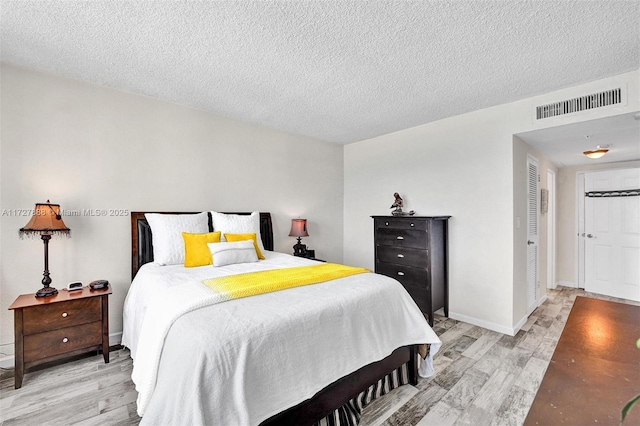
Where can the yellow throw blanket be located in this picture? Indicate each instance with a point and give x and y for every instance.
(252, 283)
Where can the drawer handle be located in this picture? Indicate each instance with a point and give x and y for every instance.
(401, 255)
(64, 315)
(386, 223)
(412, 224)
(65, 340)
(401, 273)
(399, 237)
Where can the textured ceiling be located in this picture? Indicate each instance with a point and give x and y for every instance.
(338, 71)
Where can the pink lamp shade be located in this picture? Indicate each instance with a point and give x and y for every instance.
(298, 228)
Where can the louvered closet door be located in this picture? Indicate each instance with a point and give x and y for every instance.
(532, 234)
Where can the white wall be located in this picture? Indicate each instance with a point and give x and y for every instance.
(88, 147)
(461, 166)
(82, 146)
(440, 169)
(567, 219)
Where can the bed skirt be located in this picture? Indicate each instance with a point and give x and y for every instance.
(351, 412)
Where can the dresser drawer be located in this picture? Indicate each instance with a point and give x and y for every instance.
(407, 275)
(402, 238)
(392, 222)
(58, 315)
(403, 256)
(60, 341)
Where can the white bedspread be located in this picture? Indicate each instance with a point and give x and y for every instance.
(242, 361)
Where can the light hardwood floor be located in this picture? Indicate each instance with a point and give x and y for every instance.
(482, 378)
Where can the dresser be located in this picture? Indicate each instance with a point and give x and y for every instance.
(60, 326)
(413, 250)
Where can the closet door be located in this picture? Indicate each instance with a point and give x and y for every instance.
(532, 234)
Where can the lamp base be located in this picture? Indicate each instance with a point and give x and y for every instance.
(299, 248)
(46, 292)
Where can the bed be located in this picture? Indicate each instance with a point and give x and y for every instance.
(264, 359)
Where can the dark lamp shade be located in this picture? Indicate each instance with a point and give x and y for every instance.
(46, 219)
(298, 228)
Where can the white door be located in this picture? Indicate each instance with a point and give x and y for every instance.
(532, 234)
(612, 233)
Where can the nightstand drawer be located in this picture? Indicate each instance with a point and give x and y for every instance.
(403, 256)
(403, 238)
(60, 341)
(404, 223)
(58, 315)
(417, 277)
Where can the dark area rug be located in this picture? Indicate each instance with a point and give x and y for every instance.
(595, 368)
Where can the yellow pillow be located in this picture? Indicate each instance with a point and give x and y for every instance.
(243, 237)
(196, 251)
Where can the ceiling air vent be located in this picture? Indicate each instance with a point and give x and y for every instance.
(583, 103)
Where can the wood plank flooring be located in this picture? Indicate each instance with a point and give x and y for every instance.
(482, 378)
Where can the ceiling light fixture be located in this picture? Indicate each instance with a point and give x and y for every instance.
(598, 152)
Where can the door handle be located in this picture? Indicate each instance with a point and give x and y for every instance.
(590, 236)
(529, 242)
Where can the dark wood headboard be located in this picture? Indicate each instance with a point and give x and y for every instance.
(141, 238)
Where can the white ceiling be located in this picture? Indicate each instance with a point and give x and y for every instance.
(565, 145)
(337, 71)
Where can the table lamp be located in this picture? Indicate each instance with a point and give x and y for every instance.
(299, 230)
(45, 222)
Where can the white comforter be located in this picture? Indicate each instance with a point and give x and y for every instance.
(242, 361)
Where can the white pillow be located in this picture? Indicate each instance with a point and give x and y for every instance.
(229, 253)
(238, 224)
(167, 229)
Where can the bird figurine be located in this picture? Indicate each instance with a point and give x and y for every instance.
(397, 203)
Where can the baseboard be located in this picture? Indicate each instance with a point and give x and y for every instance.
(542, 299)
(8, 361)
(115, 338)
(524, 319)
(484, 324)
(519, 325)
(492, 326)
(567, 284)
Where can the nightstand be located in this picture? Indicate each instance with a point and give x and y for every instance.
(309, 254)
(52, 328)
